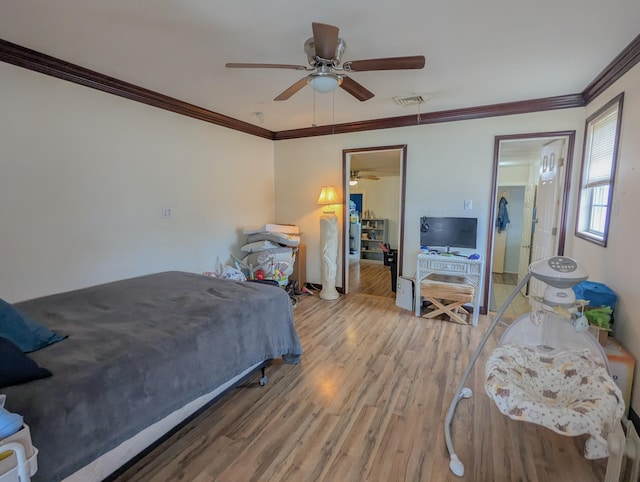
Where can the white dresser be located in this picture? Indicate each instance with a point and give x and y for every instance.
(472, 269)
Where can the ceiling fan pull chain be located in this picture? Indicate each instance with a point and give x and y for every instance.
(333, 114)
(313, 123)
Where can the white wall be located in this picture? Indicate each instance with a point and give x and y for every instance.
(515, 208)
(513, 175)
(383, 198)
(84, 175)
(618, 265)
(446, 164)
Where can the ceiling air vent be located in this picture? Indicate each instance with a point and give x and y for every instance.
(411, 100)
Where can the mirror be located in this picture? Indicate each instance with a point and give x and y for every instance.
(373, 214)
(528, 221)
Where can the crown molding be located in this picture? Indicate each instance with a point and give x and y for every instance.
(625, 61)
(467, 113)
(45, 64)
(39, 62)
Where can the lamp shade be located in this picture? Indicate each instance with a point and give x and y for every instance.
(328, 196)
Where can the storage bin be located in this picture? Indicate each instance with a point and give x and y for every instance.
(12, 474)
(597, 294)
(8, 465)
(622, 366)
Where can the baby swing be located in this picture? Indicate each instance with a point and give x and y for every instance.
(547, 369)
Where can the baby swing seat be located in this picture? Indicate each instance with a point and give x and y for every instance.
(546, 373)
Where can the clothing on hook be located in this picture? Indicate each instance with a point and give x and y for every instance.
(503, 215)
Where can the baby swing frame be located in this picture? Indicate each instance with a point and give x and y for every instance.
(616, 436)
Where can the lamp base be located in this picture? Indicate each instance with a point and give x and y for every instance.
(329, 294)
(328, 261)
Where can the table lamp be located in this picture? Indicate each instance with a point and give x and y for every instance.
(328, 243)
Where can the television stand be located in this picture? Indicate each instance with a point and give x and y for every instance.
(450, 264)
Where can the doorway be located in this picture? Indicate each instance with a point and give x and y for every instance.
(532, 191)
(373, 216)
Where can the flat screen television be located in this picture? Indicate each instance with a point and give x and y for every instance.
(448, 232)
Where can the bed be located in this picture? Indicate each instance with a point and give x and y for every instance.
(138, 352)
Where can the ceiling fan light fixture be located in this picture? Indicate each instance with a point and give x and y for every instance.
(324, 82)
(353, 182)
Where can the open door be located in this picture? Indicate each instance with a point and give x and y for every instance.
(547, 207)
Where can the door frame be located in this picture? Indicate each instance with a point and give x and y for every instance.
(346, 174)
(564, 208)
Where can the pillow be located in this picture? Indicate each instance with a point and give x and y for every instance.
(258, 246)
(16, 367)
(27, 334)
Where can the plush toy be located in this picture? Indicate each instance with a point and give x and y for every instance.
(10, 423)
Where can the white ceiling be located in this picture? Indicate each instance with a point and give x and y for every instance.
(478, 52)
(521, 152)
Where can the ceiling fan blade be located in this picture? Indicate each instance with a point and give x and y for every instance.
(391, 63)
(355, 89)
(236, 65)
(293, 89)
(325, 39)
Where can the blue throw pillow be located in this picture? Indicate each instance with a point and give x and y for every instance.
(16, 367)
(27, 334)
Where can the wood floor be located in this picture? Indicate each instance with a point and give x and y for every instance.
(367, 403)
(369, 278)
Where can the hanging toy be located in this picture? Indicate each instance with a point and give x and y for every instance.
(581, 323)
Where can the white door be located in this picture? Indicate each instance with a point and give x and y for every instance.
(549, 195)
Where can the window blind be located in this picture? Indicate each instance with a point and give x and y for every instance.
(602, 137)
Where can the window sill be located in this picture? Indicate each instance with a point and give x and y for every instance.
(599, 240)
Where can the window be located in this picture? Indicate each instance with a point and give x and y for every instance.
(602, 133)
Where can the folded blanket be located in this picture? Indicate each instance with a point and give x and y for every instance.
(256, 246)
(292, 240)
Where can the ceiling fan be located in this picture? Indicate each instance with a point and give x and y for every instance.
(324, 52)
(355, 175)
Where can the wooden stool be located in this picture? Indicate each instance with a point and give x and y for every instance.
(448, 293)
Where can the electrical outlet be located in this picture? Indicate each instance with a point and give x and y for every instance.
(468, 204)
(166, 213)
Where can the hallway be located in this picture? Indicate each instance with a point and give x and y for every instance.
(369, 278)
(503, 285)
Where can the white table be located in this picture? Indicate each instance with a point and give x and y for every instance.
(471, 269)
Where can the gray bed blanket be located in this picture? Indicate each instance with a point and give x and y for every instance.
(137, 350)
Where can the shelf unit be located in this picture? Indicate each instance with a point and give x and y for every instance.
(374, 231)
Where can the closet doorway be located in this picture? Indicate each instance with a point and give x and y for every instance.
(531, 175)
(373, 213)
